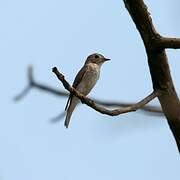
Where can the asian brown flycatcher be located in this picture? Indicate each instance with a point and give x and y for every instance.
(85, 80)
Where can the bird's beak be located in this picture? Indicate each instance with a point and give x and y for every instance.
(106, 59)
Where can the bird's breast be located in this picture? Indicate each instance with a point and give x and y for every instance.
(89, 80)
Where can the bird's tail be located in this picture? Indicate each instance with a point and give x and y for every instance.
(70, 110)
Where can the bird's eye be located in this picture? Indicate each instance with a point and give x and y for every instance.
(96, 56)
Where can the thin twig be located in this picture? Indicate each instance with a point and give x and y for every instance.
(22, 94)
(58, 117)
(157, 111)
(27, 89)
(33, 84)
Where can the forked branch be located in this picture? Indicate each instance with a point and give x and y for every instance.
(33, 84)
(155, 46)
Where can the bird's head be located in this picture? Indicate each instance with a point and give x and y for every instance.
(96, 59)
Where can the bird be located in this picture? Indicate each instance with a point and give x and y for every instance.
(84, 81)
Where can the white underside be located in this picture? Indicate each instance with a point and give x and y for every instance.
(89, 79)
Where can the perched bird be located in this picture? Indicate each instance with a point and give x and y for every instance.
(85, 80)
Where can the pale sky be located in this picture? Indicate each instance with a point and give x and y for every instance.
(63, 33)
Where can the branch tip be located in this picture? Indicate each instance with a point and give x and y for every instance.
(54, 69)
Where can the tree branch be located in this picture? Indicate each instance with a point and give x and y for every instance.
(171, 43)
(148, 109)
(26, 90)
(98, 107)
(33, 84)
(158, 63)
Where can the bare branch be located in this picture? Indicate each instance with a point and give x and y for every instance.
(157, 111)
(22, 94)
(148, 109)
(98, 107)
(158, 63)
(33, 84)
(171, 43)
(28, 87)
(48, 89)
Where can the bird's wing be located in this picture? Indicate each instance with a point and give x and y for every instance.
(77, 80)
